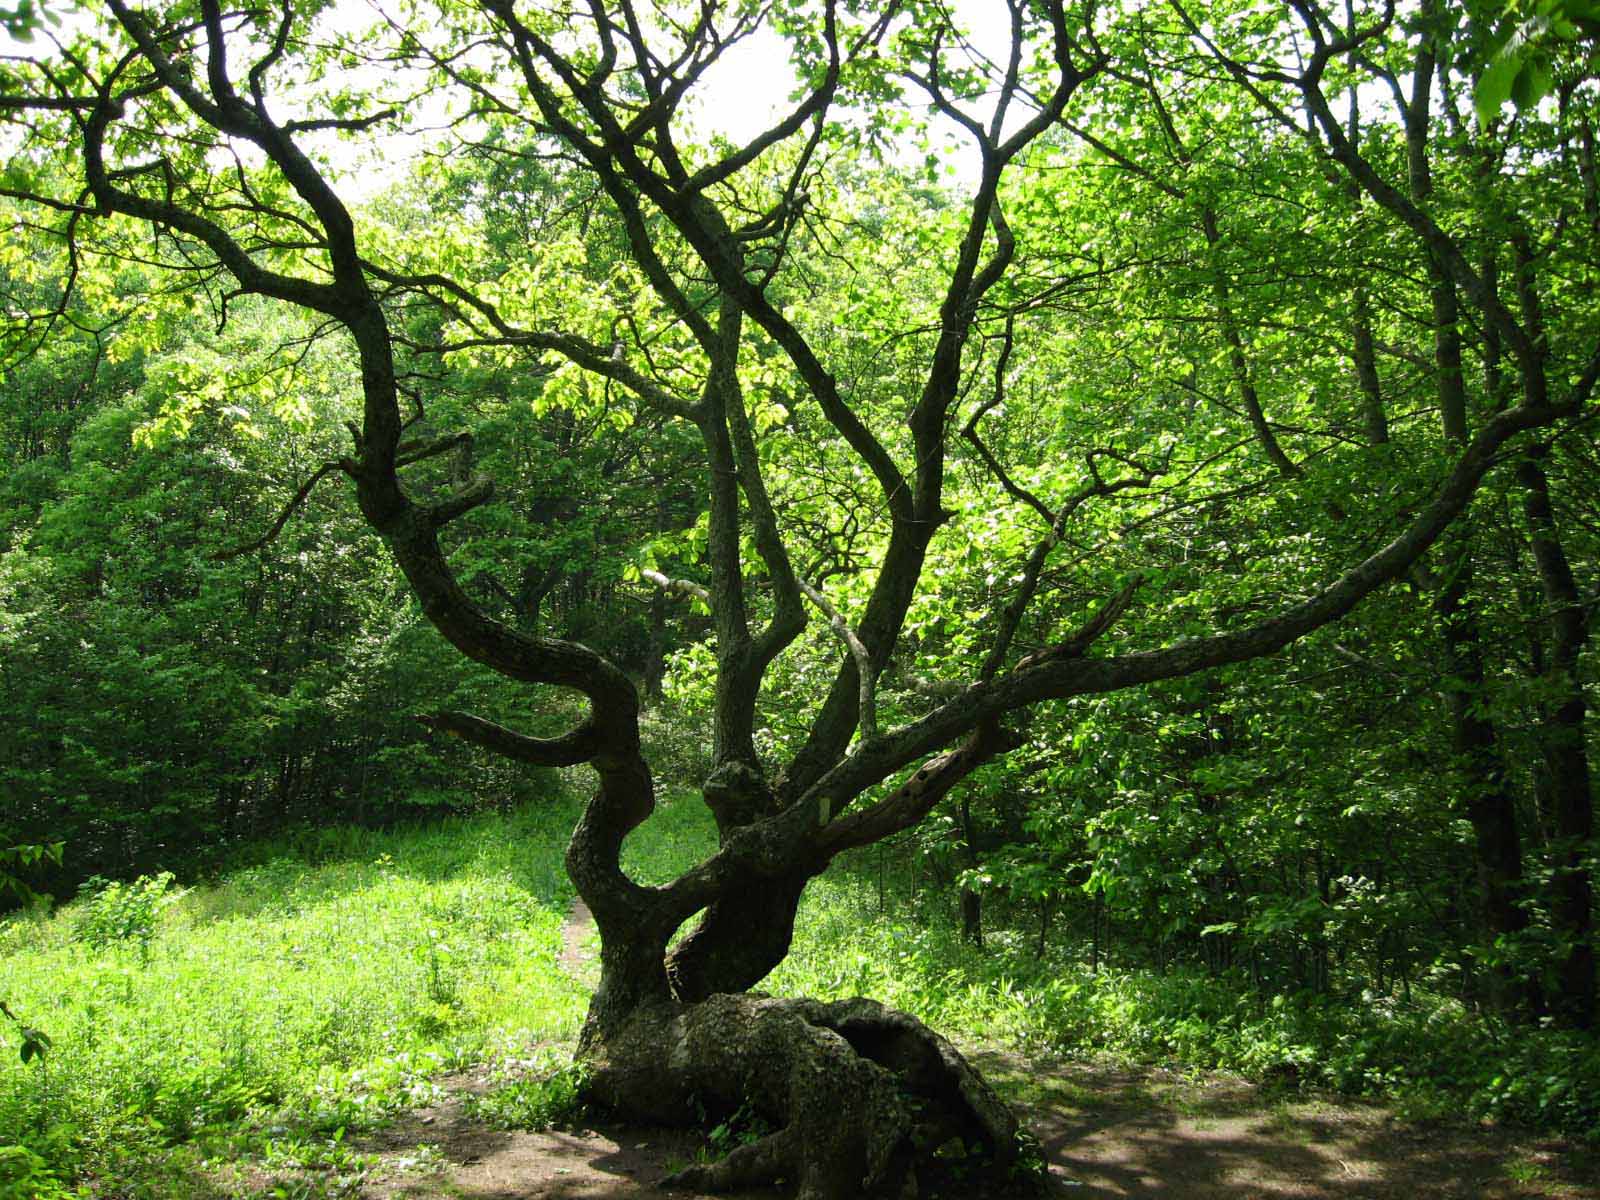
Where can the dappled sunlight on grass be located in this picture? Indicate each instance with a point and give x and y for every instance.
(208, 1039)
(1430, 1058)
(289, 993)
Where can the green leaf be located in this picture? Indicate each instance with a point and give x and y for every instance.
(35, 1044)
(1494, 86)
(1532, 84)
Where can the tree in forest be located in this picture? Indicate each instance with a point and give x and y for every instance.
(849, 349)
(1520, 201)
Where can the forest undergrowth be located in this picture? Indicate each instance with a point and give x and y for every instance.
(325, 980)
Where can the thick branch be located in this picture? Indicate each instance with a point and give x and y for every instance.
(1060, 677)
(1092, 630)
(915, 798)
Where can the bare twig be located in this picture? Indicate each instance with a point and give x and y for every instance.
(300, 497)
(868, 710)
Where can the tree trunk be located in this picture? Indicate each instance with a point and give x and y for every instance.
(1486, 793)
(738, 940)
(971, 901)
(858, 1096)
(1563, 745)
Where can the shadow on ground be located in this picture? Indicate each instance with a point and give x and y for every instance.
(444, 1151)
(1114, 1131)
(1105, 1131)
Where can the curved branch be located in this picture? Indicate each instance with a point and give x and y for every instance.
(299, 498)
(1061, 677)
(1092, 630)
(916, 797)
(479, 491)
(809, 830)
(568, 750)
(866, 673)
(677, 587)
(607, 363)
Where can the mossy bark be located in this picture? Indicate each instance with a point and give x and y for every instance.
(859, 1097)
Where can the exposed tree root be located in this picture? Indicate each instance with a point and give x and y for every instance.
(860, 1095)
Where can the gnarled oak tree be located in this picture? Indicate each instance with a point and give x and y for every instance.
(200, 132)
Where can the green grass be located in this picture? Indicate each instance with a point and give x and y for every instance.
(1431, 1058)
(209, 1038)
(307, 993)
(677, 835)
(549, 1098)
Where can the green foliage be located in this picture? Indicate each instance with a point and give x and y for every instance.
(537, 1103)
(742, 1127)
(1283, 855)
(1430, 1056)
(16, 860)
(308, 990)
(25, 1175)
(23, 18)
(33, 1043)
(165, 700)
(109, 912)
(1528, 38)
(321, 981)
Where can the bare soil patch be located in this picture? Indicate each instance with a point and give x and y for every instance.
(444, 1151)
(1110, 1130)
(1106, 1131)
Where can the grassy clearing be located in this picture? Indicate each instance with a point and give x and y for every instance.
(1431, 1058)
(305, 994)
(222, 1040)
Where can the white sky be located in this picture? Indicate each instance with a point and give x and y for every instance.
(743, 94)
(749, 87)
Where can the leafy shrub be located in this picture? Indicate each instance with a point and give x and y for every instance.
(17, 859)
(537, 1103)
(1431, 1057)
(26, 1176)
(34, 1043)
(110, 912)
(677, 743)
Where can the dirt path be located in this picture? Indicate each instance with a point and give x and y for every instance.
(577, 942)
(1106, 1131)
(1111, 1130)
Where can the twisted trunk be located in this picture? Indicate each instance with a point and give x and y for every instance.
(859, 1100)
(858, 1097)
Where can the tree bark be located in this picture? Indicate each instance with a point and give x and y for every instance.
(858, 1096)
(1567, 778)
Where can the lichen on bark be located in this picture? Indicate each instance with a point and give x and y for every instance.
(859, 1096)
